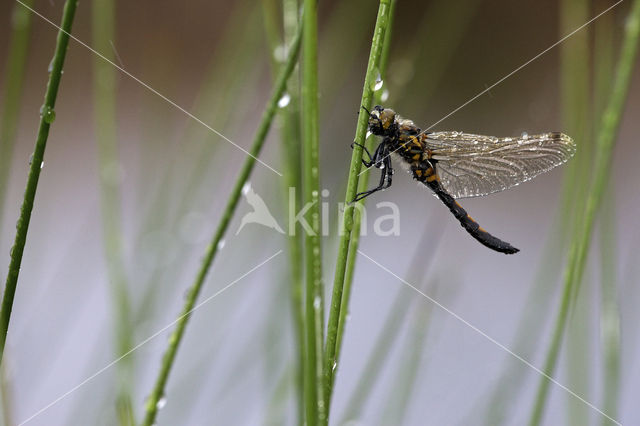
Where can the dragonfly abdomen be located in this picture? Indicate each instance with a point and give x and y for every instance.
(429, 177)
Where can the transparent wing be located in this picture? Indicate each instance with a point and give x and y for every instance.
(473, 165)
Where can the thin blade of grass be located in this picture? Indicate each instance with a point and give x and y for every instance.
(103, 26)
(574, 83)
(14, 77)
(314, 304)
(609, 309)
(350, 230)
(579, 359)
(575, 79)
(385, 341)
(603, 152)
(290, 135)
(258, 141)
(363, 183)
(47, 117)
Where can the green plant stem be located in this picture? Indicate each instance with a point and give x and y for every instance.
(575, 89)
(47, 117)
(291, 134)
(575, 79)
(213, 101)
(382, 24)
(258, 141)
(609, 308)
(363, 183)
(16, 60)
(290, 137)
(314, 306)
(604, 148)
(403, 305)
(103, 26)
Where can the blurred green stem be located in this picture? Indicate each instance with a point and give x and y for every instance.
(258, 141)
(351, 229)
(290, 147)
(47, 116)
(603, 151)
(16, 60)
(104, 86)
(609, 309)
(314, 306)
(402, 306)
(575, 80)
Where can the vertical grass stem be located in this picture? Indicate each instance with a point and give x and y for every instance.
(336, 308)
(604, 148)
(47, 116)
(151, 406)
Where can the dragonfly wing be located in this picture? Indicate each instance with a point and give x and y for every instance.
(473, 165)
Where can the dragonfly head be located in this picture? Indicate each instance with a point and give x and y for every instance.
(382, 121)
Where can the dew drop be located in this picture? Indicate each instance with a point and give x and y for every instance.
(335, 364)
(284, 100)
(246, 188)
(50, 67)
(377, 83)
(314, 193)
(279, 53)
(41, 164)
(384, 96)
(316, 302)
(48, 114)
(221, 244)
(161, 403)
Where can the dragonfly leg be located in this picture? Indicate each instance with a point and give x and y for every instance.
(384, 163)
(366, 163)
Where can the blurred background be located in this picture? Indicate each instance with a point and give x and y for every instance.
(158, 198)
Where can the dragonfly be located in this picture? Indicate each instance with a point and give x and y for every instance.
(460, 165)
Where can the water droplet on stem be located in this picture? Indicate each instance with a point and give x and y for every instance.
(284, 100)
